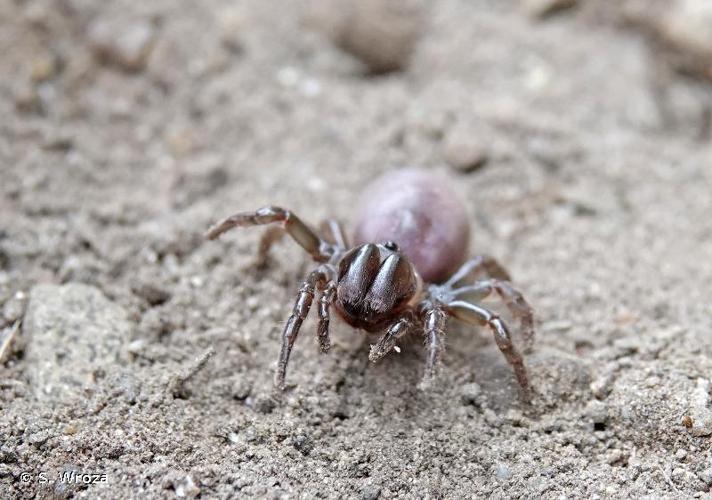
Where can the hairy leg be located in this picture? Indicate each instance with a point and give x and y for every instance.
(512, 298)
(316, 279)
(474, 314)
(335, 232)
(319, 249)
(434, 320)
(272, 235)
(396, 331)
(520, 308)
(327, 297)
(491, 267)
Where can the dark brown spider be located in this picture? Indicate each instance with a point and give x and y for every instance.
(405, 271)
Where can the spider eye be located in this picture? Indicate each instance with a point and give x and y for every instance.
(391, 245)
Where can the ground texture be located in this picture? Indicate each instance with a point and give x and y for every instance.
(133, 348)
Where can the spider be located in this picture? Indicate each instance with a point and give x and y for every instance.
(406, 271)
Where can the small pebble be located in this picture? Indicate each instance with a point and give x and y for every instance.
(544, 8)
(151, 293)
(187, 488)
(706, 476)
(470, 394)
(14, 308)
(231, 22)
(465, 154)
(700, 412)
(301, 443)
(502, 472)
(370, 492)
(515, 417)
(197, 281)
(126, 45)
(597, 411)
(129, 387)
(264, 404)
(38, 438)
(7, 455)
(686, 26)
(382, 34)
(58, 141)
(652, 381)
(615, 456)
(136, 346)
(491, 418)
(548, 472)
(154, 323)
(252, 302)
(241, 389)
(611, 489)
(601, 387)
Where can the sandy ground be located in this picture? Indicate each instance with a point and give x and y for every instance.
(135, 350)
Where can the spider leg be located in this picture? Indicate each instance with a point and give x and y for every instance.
(388, 341)
(272, 235)
(316, 279)
(477, 291)
(512, 298)
(519, 308)
(319, 249)
(327, 297)
(489, 265)
(471, 313)
(434, 319)
(335, 231)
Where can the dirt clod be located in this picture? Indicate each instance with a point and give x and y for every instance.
(74, 333)
(126, 44)
(544, 8)
(382, 34)
(700, 409)
(465, 154)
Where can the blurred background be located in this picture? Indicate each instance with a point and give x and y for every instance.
(577, 131)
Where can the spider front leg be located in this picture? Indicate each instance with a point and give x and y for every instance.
(327, 297)
(434, 320)
(319, 249)
(303, 304)
(388, 341)
(471, 313)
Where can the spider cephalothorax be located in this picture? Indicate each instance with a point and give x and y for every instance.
(375, 283)
(412, 237)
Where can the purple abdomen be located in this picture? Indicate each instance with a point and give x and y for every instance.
(422, 213)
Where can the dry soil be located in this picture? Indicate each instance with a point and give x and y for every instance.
(134, 349)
